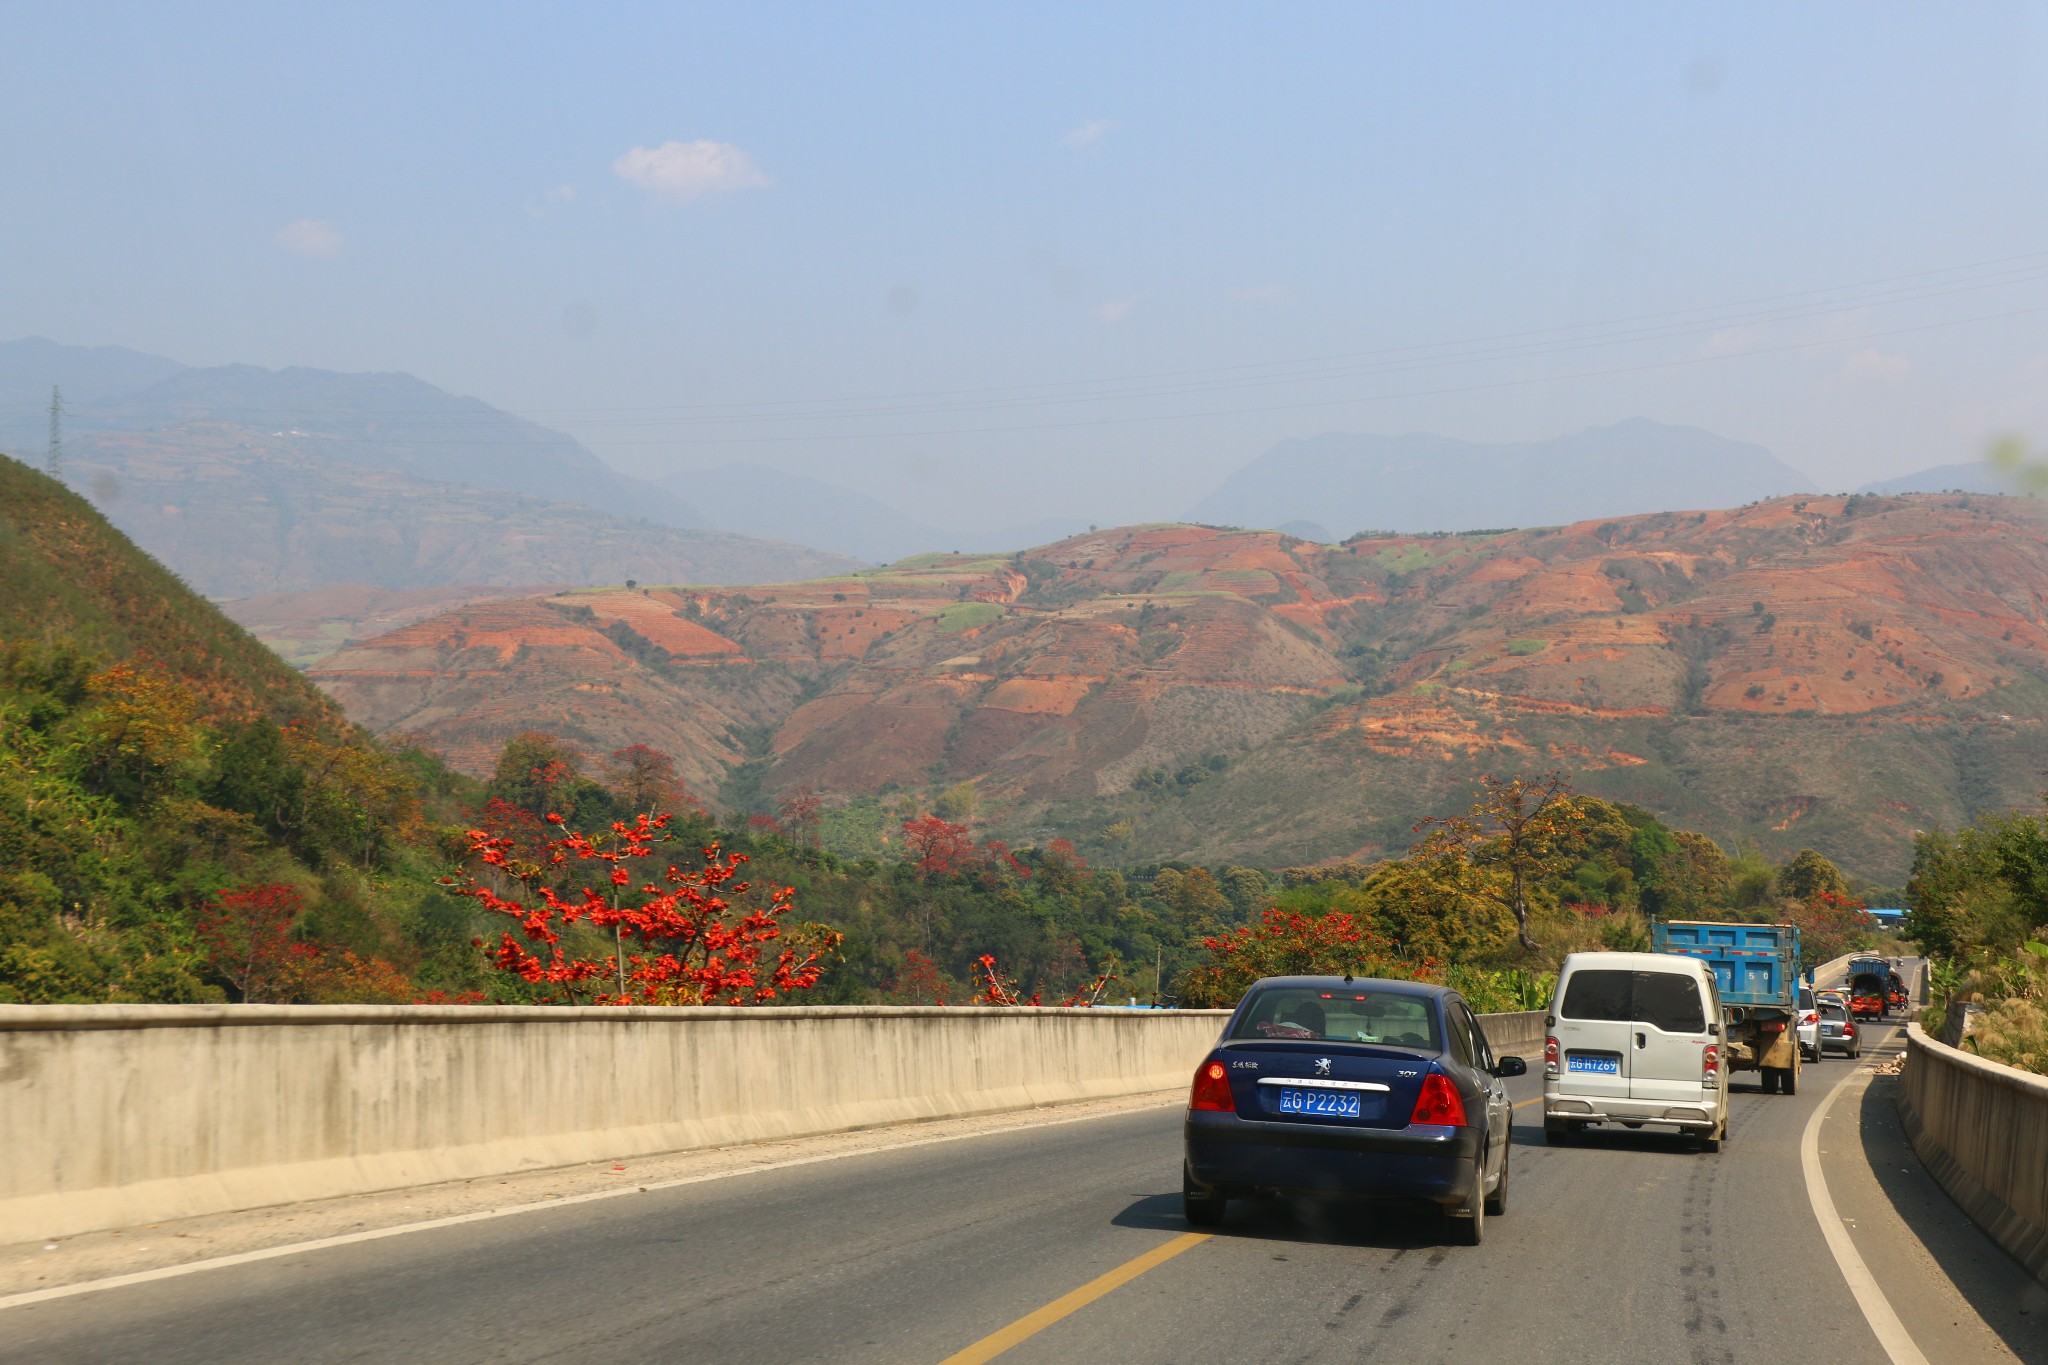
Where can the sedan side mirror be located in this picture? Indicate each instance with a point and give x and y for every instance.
(1510, 1066)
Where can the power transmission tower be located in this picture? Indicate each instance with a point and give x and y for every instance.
(55, 461)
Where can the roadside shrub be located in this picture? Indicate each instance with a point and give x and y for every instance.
(2014, 1032)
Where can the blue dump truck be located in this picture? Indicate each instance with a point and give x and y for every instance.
(1756, 971)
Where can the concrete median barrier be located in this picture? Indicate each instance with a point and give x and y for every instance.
(1514, 1035)
(118, 1115)
(1981, 1128)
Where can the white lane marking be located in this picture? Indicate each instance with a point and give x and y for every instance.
(1877, 1309)
(169, 1272)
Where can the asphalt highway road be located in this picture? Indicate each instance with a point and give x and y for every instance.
(1627, 1247)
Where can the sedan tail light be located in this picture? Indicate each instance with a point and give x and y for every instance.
(1848, 1030)
(1212, 1089)
(1438, 1102)
(1550, 1056)
(1710, 1064)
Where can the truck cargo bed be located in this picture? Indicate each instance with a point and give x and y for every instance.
(1753, 964)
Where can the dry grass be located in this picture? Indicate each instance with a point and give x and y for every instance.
(2014, 1032)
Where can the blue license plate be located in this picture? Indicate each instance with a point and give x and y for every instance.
(1336, 1104)
(1599, 1066)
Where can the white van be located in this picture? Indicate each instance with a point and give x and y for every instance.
(1635, 1038)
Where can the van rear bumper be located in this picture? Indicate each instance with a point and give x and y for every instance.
(1604, 1109)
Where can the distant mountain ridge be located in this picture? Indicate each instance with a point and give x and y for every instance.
(1422, 483)
(1972, 477)
(249, 481)
(378, 421)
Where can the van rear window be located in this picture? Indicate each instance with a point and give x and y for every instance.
(1667, 1000)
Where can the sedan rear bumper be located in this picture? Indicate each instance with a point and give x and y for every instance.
(1436, 1163)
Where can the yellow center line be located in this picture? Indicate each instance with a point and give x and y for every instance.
(1031, 1324)
(1524, 1104)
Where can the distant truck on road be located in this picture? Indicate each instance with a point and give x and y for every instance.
(1756, 970)
(1874, 987)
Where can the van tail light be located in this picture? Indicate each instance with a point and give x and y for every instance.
(1710, 1064)
(1810, 1017)
(1438, 1102)
(1212, 1089)
(1550, 1056)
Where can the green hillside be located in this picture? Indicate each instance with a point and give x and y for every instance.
(65, 571)
(153, 756)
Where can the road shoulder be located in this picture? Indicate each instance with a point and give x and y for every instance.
(1957, 1293)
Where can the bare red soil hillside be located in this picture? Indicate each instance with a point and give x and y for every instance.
(1752, 670)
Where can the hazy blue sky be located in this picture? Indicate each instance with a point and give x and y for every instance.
(802, 235)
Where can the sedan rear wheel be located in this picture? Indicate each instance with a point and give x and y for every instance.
(1497, 1202)
(1202, 1208)
(1468, 1229)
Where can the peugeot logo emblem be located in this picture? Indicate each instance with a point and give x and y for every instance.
(1322, 1066)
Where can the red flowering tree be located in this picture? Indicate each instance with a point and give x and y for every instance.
(998, 989)
(645, 778)
(525, 833)
(1830, 925)
(1287, 943)
(703, 936)
(247, 935)
(803, 815)
(939, 847)
(919, 982)
(996, 860)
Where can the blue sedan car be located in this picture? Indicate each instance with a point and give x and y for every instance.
(1328, 1086)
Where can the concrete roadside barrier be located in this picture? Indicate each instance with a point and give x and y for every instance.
(117, 1115)
(1981, 1128)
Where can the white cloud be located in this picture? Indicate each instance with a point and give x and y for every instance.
(1260, 293)
(562, 194)
(310, 237)
(1090, 133)
(1874, 364)
(689, 170)
(1116, 310)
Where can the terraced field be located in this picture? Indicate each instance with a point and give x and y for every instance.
(1798, 670)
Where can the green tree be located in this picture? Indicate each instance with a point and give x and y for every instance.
(542, 774)
(1525, 828)
(1808, 876)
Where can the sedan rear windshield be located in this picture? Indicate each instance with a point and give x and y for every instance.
(1343, 1015)
(1666, 1000)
